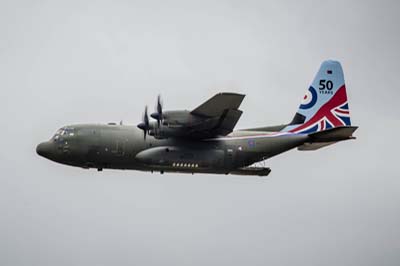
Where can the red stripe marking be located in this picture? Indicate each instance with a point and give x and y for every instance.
(322, 124)
(342, 112)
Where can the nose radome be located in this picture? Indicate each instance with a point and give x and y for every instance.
(44, 149)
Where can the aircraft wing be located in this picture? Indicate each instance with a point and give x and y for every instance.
(217, 105)
(219, 115)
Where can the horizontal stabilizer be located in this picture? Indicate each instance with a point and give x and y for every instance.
(327, 137)
(314, 146)
(333, 134)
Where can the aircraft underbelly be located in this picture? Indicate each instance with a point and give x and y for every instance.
(178, 158)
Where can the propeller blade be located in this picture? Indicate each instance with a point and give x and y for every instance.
(146, 118)
(159, 110)
(145, 124)
(159, 104)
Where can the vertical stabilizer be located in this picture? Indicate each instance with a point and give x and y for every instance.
(324, 105)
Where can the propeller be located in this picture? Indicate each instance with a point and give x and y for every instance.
(145, 124)
(158, 115)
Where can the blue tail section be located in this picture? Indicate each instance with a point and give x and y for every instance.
(325, 103)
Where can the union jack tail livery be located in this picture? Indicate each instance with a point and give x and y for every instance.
(324, 106)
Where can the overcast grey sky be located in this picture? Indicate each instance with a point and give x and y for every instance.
(65, 62)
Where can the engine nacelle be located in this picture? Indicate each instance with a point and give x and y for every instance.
(165, 132)
(177, 124)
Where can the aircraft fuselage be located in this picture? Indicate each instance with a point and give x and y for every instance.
(123, 147)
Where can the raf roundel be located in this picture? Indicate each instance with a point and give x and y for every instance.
(309, 100)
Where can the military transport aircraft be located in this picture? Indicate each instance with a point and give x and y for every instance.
(202, 140)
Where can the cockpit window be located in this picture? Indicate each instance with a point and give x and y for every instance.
(68, 132)
(63, 133)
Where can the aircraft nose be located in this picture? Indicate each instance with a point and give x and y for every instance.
(44, 149)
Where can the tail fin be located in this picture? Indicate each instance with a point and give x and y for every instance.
(324, 105)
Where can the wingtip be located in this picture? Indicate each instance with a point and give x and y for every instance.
(232, 93)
